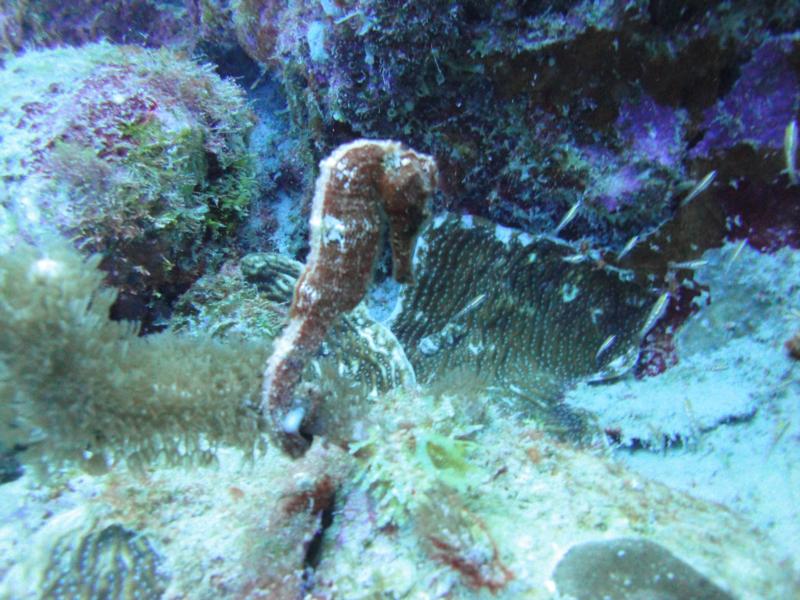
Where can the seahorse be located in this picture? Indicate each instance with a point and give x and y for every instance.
(362, 186)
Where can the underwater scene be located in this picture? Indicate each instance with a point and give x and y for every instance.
(399, 299)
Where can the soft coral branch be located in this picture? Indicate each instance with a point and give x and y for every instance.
(361, 185)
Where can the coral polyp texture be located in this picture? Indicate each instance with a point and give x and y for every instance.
(505, 512)
(166, 534)
(362, 186)
(140, 155)
(112, 563)
(529, 311)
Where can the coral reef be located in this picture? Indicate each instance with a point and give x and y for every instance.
(457, 538)
(30, 24)
(745, 139)
(258, 25)
(139, 155)
(584, 385)
(531, 107)
(757, 109)
(403, 468)
(236, 529)
(471, 512)
(277, 220)
(361, 185)
(437, 505)
(213, 21)
(89, 390)
(673, 408)
(521, 501)
(416, 477)
(228, 303)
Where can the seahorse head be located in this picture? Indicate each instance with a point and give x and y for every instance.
(406, 186)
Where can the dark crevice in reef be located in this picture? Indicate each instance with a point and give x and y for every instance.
(231, 61)
(10, 468)
(734, 420)
(314, 551)
(674, 441)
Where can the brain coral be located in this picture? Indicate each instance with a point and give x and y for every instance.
(140, 155)
(112, 563)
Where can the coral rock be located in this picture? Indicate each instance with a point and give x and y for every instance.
(50, 23)
(630, 568)
(137, 154)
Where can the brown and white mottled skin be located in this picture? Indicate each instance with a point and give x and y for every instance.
(361, 186)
